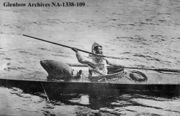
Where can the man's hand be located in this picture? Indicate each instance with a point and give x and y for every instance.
(75, 50)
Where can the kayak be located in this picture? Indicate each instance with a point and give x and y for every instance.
(117, 82)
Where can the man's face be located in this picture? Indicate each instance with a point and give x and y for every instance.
(98, 50)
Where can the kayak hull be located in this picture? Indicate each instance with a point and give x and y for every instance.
(55, 89)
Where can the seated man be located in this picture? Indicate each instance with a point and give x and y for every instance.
(97, 64)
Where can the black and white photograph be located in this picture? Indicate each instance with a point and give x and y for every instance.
(89, 58)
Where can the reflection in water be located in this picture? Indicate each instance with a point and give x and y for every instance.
(16, 102)
(84, 100)
(129, 104)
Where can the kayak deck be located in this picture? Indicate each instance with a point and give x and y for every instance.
(153, 77)
(59, 70)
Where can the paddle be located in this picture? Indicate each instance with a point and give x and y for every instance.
(154, 69)
(69, 47)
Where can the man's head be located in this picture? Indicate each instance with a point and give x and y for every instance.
(97, 49)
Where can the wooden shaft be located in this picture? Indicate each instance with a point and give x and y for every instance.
(155, 69)
(69, 47)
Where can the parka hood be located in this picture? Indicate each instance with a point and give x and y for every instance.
(94, 45)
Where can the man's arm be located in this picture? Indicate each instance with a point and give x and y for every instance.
(81, 60)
